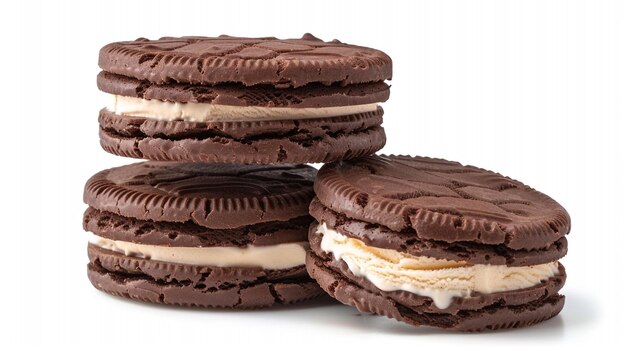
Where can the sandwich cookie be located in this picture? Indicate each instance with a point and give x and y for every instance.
(432, 242)
(242, 100)
(232, 236)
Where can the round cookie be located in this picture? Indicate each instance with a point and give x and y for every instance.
(231, 236)
(242, 100)
(432, 242)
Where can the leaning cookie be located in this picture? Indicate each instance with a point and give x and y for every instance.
(431, 242)
(242, 100)
(229, 236)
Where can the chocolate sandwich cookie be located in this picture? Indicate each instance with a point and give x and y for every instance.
(242, 100)
(232, 236)
(432, 242)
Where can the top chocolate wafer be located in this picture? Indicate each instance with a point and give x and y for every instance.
(444, 201)
(249, 61)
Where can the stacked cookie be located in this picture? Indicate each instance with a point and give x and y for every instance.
(226, 215)
(242, 100)
(225, 222)
(432, 242)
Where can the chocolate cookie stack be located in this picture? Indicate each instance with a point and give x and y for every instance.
(224, 223)
(226, 215)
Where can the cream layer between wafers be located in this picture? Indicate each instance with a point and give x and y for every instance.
(206, 112)
(441, 280)
(280, 256)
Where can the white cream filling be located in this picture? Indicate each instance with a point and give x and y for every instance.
(441, 280)
(281, 256)
(205, 112)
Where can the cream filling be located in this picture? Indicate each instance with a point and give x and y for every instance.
(441, 280)
(281, 256)
(205, 112)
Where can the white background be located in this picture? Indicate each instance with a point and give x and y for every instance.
(532, 89)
